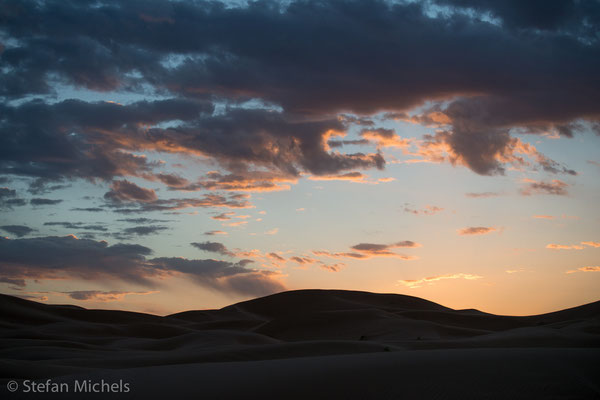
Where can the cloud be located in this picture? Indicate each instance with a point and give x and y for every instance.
(554, 187)
(125, 191)
(17, 230)
(55, 257)
(482, 195)
(364, 251)
(303, 260)
(213, 233)
(272, 231)
(102, 296)
(564, 247)
(142, 230)
(223, 216)
(416, 283)
(9, 199)
(543, 216)
(213, 247)
(17, 283)
(142, 220)
(244, 181)
(591, 244)
(428, 210)
(44, 202)
(207, 201)
(349, 176)
(196, 53)
(572, 247)
(332, 267)
(236, 223)
(514, 271)
(276, 257)
(78, 226)
(222, 275)
(68, 257)
(476, 230)
(584, 269)
(385, 138)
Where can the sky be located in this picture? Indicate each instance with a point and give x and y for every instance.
(160, 156)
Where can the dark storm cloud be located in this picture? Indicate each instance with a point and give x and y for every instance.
(44, 202)
(214, 247)
(535, 70)
(17, 230)
(68, 257)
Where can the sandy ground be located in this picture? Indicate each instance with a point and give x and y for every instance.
(301, 344)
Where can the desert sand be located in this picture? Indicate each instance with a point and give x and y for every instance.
(306, 344)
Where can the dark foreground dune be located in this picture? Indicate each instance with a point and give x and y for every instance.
(300, 345)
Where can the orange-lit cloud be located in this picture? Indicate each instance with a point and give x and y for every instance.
(584, 269)
(476, 230)
(385, 138)
(543, 216)
(349, 177)
(272, 231)
(591, 244)
(385, 180)
(415, 283)
(236, 223)
(563, 247)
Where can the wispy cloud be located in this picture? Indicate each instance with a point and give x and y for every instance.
(554, 246)
(591, 244)
(479, 195)
(415, 283)
(212, 233)
(476, 230)
(363, 251)
(584, 269)
(428, 210)
(555, 187)
(103, 296)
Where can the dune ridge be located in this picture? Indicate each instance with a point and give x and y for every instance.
(41, 341)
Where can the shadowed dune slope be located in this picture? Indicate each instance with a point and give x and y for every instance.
(41, 341)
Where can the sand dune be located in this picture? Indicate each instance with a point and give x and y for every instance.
(308, 343)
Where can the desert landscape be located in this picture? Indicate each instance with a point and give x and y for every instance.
(299, 199)
(306, 344)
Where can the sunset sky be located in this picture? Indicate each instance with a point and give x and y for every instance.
(160, 156)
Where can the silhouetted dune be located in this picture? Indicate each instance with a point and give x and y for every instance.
(330, 327)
